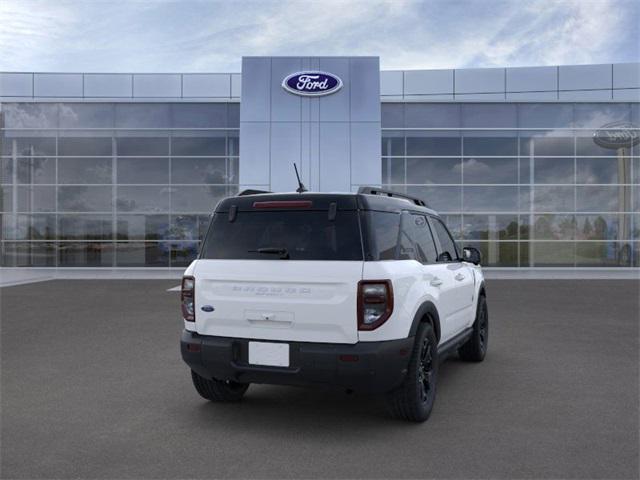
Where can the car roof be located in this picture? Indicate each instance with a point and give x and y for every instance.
(321, 201)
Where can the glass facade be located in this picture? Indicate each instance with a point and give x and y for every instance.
(133, 184)
(524, 183)
(112, 184)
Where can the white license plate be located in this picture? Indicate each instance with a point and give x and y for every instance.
(271, 354)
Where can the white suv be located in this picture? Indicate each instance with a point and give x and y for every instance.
(363, 291)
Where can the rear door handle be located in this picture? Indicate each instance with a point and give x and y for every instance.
(436, 282)
(459, 277)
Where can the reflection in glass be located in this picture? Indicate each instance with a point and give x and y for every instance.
(490, 227)
(86, 115)
(198, 199)
(36, 254)
(490, 199)
(85, 227)
(183, 253)
(603, 254)
(30, 115)
(497, 254)
(490, 170)
(490, 146)
(489, 115)
(200, 115)
(36, 170)
(84, 146)
(142, 227)
(198, 146)
(392, 145)
(602, 198)
(542, 144)
(428, 115)
(84, 170)
(36, 199)
(553, 170)
(598, 114)
(418, 145)
(551, 254)
(392, 115)
(142, 115)
(148, 254)
(28, 227)
(41, 146)
(441, 199)
(604, 226)
(553, 199)
(143, 199)
(84, 199)
(554, 227)
(142, 146)
(393, 170)
(603, 170)
(92, 254)
(199, 170)
(143, 170)
(434, 170)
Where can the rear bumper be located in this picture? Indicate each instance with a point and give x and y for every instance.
(372, 367)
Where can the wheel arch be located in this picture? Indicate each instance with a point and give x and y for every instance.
(427, 312)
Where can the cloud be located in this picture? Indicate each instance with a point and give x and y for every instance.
(196, 35)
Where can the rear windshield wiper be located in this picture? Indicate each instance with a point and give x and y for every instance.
(283, 252)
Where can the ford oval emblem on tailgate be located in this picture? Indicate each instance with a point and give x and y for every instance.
(207, 308)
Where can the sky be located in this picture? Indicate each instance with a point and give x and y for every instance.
(212, 36)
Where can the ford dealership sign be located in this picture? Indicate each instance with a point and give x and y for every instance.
(312, 83)
(617, 135)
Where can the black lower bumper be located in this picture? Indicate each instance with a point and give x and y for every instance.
(366, 366)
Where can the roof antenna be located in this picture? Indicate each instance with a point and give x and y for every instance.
(301, 188)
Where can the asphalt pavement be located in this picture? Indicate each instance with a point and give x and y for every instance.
(93, 386)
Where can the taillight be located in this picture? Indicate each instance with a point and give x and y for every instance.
(187, 297)
(375, 303)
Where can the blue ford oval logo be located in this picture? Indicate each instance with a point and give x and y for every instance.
(312, 83)
(207, 308)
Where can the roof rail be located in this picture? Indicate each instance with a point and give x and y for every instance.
(389, 193)
(250, 191)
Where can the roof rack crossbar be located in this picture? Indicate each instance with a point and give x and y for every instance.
(389, 193)
(250, 191)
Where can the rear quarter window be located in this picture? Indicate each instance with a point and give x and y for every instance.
(383, 234)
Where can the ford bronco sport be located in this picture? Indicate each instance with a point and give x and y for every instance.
(366, 291)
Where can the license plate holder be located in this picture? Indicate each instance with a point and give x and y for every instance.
(269, 354)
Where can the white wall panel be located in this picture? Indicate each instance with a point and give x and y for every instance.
(105, 85)
(57, 85)
(428, 82)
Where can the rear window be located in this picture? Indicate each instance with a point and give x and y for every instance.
(303, 235)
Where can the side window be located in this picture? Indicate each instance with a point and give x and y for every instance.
(448, 250)
(407, 241)
(424, 240)
(416, 242)
(384, 228)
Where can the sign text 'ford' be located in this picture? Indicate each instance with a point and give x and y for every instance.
(312, 84)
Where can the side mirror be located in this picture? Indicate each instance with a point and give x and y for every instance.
(471, 255)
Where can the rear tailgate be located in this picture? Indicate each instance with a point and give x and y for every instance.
(289, 300)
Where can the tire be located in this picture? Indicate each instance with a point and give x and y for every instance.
(218, 390)
(414, 399)
(475, 349)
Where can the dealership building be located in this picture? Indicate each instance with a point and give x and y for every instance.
(537, 167)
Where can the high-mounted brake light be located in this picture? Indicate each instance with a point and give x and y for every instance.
(187, 297)
(375, 303)
(284, 204)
